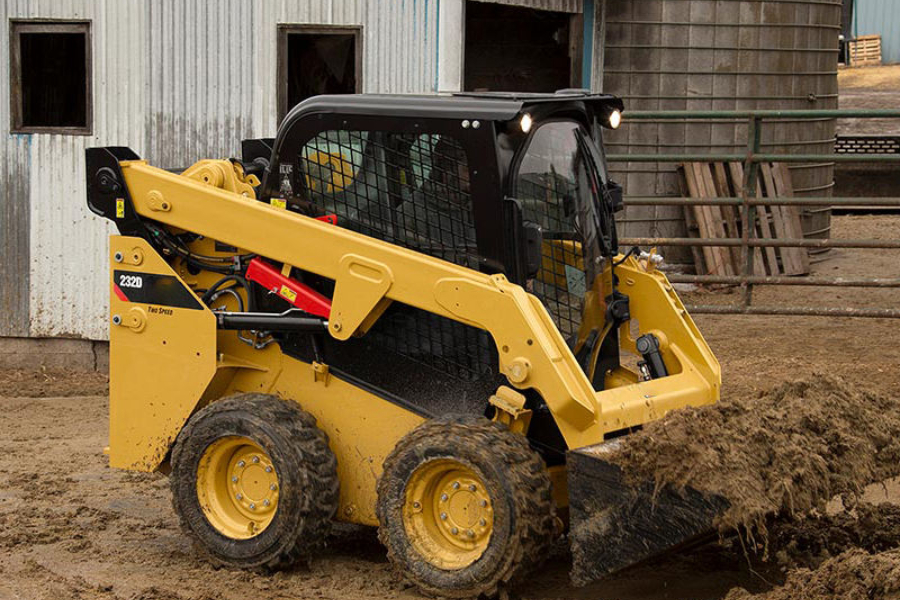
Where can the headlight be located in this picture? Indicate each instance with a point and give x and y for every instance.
(615, 119)
(525, 122)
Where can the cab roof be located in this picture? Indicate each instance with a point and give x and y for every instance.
(496, 106)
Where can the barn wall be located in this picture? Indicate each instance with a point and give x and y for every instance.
(872, 17)
(176, 81)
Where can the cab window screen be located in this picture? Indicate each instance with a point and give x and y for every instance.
(411, 190)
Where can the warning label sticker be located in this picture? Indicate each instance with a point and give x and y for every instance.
(575, 281)
(287, 293)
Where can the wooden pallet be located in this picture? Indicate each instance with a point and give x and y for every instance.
(706, 180)
(865, 51)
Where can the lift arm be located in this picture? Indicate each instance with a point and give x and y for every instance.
(369, 274)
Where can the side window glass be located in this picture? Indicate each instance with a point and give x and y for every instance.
(552, 185)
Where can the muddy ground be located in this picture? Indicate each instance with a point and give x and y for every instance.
(865, 88)
(72, 528)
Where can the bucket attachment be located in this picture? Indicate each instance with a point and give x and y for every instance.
(616, 524)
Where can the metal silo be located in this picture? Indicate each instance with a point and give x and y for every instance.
(719, 55)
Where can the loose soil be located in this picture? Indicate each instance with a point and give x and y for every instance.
(72, 528)
(52, 383)
(865, 88)
(816, 538)
(786, 452)
(854, 575)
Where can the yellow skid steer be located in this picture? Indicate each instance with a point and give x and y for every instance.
(408, 312)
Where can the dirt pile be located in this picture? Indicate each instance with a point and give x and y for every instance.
(52, 383)
(810, 541)
(854, 575)
(786, 452)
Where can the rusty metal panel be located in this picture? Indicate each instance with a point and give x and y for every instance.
(55, 256)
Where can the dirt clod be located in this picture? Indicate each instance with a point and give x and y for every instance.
(854, 575)
(810, 541)
(786, 452)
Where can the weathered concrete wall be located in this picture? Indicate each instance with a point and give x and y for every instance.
(53, 353)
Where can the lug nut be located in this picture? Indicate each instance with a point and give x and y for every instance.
(241, 463)
(256, 459)
(273, 487)
(266, 503)
(239, 496)
(443, 516)
(417, 505)
(268, 469)
(455, 485)
(483, 503)
(470, 533)
(234, 479)
(454, 531)
(472, 487)
(482, 522)
(444, 497)
(252, 506)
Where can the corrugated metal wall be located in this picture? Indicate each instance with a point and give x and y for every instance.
(570, 6)
(176, 80)
(871, 17)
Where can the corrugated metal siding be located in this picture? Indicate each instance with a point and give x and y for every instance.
(570, 6)
(13, 216)
(871, 17)
(66, 245)
(176, 81)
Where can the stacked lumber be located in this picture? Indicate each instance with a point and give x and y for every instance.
(865, 50)
(722, 180)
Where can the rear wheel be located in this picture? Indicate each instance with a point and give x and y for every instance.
(254, 481)
(464, 507)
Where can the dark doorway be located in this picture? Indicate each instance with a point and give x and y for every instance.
(514, 49)
(315, 60)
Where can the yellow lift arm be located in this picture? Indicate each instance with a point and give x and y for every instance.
(369, 274)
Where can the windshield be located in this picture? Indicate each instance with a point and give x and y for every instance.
(558, 190)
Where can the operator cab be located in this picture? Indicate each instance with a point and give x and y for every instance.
(500, 183)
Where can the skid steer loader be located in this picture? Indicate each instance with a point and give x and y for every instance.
(408, 312)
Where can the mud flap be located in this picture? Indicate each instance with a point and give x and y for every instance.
(615, 525)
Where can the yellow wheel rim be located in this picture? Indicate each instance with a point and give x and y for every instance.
(237, 487)
(447, 514)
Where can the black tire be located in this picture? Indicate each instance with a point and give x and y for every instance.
(307, 480)
(517, 481)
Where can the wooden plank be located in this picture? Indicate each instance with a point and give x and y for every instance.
(791, 260)
(723, 190)
(716, 223)
(691, 221)
(764, 222)
(759, 266)
(784, 187)
(694, 183)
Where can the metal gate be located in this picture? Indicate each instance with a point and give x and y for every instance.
(748, 201)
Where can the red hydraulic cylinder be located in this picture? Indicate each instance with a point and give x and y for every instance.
(298, 294)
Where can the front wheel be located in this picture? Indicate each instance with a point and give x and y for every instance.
(464, 507)
(254, 481)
